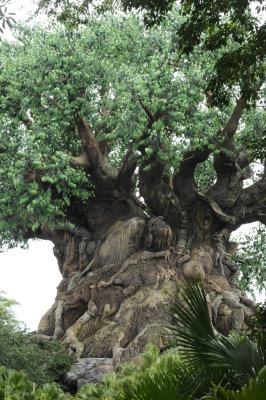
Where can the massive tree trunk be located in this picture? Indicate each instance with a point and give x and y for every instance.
(149, 227)
(122, 257)
(120, 273)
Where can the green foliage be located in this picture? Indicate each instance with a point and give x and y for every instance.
(6, 18)
(43, 363)
(16, 385)
(205, 365)
(212, 24)
(157, 377)
(205, 174)
(257, 322)
(51, 75)
(251, 257)
(237, 357)
(253, 390)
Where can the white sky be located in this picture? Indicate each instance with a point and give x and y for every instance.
(31, 276)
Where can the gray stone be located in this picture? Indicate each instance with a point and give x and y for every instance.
(88, 370)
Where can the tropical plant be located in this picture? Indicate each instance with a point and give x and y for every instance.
(232, 360)
(204, 365)
(257, 322)
(16, 385)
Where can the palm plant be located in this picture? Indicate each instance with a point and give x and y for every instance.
(205, 364)
(231, 360)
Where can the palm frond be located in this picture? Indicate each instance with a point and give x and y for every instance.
(255, 389)
(173, 383)
(203, 347)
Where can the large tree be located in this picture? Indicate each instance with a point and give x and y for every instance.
(112, 149)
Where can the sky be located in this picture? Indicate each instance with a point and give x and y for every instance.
(31, 276)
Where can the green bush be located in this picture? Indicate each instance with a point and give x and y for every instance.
(15, 385)
(43, 363)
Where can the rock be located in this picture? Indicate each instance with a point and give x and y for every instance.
(87, 370)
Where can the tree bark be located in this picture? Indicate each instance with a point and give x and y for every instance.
(118, 276)
(122, 259)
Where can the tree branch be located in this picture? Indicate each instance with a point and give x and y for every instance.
(251, 204)
(150, 185)
(232, 124)
(125, 179)
(149, 114)
(184, 183)
(80, 161)
(229, 163)
(85, 132)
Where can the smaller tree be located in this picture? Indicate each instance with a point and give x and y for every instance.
(43, 363)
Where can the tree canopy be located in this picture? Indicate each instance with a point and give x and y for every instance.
(236, 27)
(116, 95)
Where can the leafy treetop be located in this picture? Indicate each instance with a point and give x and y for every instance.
(81, 109)
(214, 24)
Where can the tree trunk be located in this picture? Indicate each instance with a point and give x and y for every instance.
(120, 273)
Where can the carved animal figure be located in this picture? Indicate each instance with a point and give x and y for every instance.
(159, 236)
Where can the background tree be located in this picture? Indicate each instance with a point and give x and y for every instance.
(251, 257)
(103, 132)
(45, 362)
(6, 18)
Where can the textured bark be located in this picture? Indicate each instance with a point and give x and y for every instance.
(117, 281)
(120, 265)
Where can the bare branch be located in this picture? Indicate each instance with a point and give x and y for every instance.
(232, 124)
(184, 183)
(216, 209)
(85, 132)
(125, 174)
(251, 204)
(147, 111)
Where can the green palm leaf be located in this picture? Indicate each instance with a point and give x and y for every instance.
(159, 385)
(254, 390)
(205, 348)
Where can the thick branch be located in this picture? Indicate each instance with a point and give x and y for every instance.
(150, 185)
(80, 161)
(229, 163)
(232, 124)
(216, 209)
(184, 183)
(251, 204)
(125, 175)
(85, 133)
